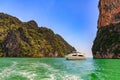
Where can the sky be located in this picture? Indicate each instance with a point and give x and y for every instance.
(74, 20)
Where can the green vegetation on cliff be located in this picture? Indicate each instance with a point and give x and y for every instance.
(26, 39)
(107, 42)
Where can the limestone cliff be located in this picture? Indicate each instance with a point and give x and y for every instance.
(107, 41)
(26, 39)
(109, 12)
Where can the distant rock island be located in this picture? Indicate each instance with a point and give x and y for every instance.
(26, 39)
(107, 41)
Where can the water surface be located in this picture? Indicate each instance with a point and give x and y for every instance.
(59, 69)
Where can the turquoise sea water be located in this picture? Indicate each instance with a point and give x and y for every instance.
(59, 69)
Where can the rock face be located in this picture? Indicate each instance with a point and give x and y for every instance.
(107, 41)
(109, 12)
(26, 39)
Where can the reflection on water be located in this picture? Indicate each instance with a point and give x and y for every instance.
(58, 69)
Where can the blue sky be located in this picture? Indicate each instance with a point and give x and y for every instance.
(74, 20)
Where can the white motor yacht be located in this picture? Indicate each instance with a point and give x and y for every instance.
(75, 56)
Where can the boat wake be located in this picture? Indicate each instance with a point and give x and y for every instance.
(35, 71)
(12, 72)
(57, 74)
